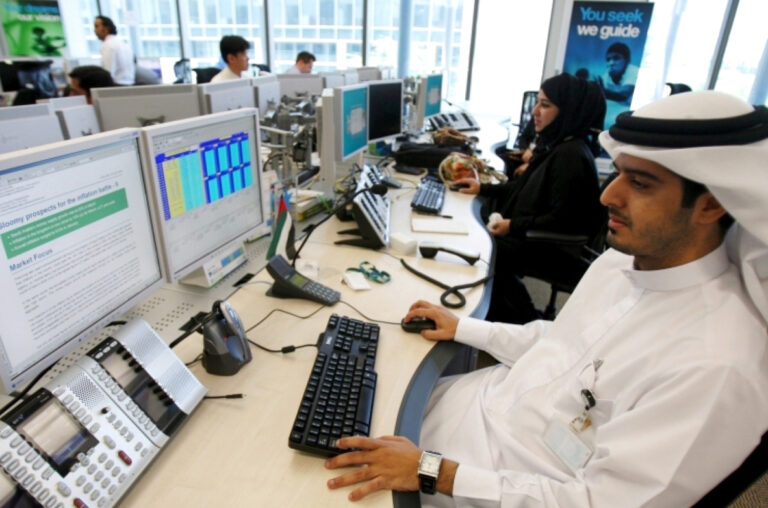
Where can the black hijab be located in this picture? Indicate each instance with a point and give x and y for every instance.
(582, 112)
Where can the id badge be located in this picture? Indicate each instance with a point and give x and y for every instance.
(566, 445)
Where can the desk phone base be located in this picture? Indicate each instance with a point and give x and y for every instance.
(88, 434)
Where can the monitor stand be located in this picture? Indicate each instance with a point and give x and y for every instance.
(225, 261)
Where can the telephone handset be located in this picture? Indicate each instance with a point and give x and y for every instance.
(291, 284)
(225, 346)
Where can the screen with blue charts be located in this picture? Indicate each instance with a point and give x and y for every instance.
(203, 173)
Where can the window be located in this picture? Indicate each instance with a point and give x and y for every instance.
(210, 20)
(746, 45)
(435, 46)
(383, 32)
(330, 29)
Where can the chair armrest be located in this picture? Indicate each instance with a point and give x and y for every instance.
(557, 238)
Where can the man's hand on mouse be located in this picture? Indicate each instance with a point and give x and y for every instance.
(468, 185)
(445, 321)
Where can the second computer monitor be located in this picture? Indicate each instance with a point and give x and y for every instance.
(352, 119)
(267, 93)
(385, 109)
(226, 96)
(78, 121)
(139, 106)
(28, 126)
(294, 85)
(433, 91)
(204, 179)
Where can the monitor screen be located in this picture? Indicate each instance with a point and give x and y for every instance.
(433, 86)
(385, 109)
(76, 246)
(351, 119)
(332, 79)
(294, 85)
(226, 96)
(369, 74)
(267, 93)
(204, 182)
(139, 106)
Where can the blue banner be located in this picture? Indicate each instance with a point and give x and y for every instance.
(605, 44)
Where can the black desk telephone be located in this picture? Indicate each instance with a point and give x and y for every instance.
(225, 346)
(291, 284)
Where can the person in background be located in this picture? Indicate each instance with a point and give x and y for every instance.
(557, 192)
(85, 77)
(651, 385)
(116, 55)
(234, 51)
(619, 80)
(304, 62)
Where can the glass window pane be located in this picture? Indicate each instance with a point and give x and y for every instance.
(226, 17)
(745, 48)
(497, 89)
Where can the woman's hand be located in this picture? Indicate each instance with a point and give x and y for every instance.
(470, 185)
(445, 321)
(500, 228)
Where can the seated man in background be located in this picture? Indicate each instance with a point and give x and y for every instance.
(234, 51)
(651, 385)
(85, 77)
(304, 62)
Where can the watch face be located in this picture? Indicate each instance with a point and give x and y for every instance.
(430, 464)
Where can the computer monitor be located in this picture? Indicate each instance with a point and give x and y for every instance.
(385, 109)
(342, 118)
(139, 106)
(333, 79)
(28, 126)
(76, 247)
(64, 102)
(226, 96)
(428, 98)
(293, 85)
(351, 77)
(204, 183)
(369, 74)
(78, 121)
(267, 93)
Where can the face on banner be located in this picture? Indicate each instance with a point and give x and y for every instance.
(605, 45)
(32, 27)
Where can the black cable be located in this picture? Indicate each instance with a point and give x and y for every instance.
(449, 290)
(284, 312)
(369, 318)
(199, 357)
(284, 349)
(23, 393)
(230, 396)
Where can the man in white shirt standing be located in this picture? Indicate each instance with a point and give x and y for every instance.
(116, 55)
(234, 51)
(651, 385)
(304, 63)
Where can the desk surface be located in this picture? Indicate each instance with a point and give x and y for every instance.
(235, 451)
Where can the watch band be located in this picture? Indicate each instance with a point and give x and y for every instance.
(427, 484)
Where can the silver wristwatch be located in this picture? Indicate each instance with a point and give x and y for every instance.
(429, 468)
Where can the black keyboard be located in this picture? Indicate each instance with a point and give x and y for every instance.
(338, 399)
(429, 197)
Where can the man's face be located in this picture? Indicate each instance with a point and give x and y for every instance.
(100, 30)
(645, 214)
(305, 67)
(617, 64)
(544, 112)
(238, 62)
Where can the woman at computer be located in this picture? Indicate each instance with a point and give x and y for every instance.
(558, 192)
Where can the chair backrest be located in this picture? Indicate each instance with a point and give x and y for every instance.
(205, 74)
(755, 466)
(525, 132)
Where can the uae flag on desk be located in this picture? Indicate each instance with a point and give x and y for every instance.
(283, 235)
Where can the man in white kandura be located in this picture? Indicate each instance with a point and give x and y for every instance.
(651, 386)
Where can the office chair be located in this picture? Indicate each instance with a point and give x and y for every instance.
(205, 74)
(262, 67)
(753, 468)
(675, 88)
(183, 71)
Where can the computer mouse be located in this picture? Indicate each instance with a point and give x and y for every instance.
(457, 186)
(417, 324)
